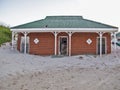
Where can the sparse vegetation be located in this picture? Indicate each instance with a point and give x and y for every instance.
(5, 34)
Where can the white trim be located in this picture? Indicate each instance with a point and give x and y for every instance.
(65, 30)
(27, 42)
(105, 44)
(25, 36)
(59, 43)
(101, 34)
(55, 47)
(115, 40)
(21, 43)
(13, 39)
(70, 39)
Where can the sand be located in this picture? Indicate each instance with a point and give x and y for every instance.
(81, 72)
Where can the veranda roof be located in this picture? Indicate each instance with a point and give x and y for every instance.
(64, 22)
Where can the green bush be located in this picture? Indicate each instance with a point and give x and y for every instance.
(5, 34)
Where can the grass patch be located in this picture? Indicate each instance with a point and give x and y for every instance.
(5, 34)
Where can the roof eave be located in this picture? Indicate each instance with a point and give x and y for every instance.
(65, 30)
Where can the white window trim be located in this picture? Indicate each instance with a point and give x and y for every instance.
(59, 43)
(105, 45)
(28, 43)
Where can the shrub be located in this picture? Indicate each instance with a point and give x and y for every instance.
(5, 34)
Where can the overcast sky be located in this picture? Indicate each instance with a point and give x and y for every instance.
(15, 12)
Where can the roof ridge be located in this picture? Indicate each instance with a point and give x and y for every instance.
(63, 17)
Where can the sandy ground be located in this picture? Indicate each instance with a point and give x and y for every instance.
(82, 72)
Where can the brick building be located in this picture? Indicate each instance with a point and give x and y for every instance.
(64, 35)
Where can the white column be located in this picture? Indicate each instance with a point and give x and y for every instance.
(70, 34)
(25, 36)
(100, 34)
(55, 34)
(12, 39)
(115, 40)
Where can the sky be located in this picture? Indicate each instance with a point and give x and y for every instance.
(16, 12)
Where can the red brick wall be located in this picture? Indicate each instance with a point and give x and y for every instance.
(45, 45)
(79, 45)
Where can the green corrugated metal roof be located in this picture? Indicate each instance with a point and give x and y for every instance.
(63, 22)
(118, 34)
